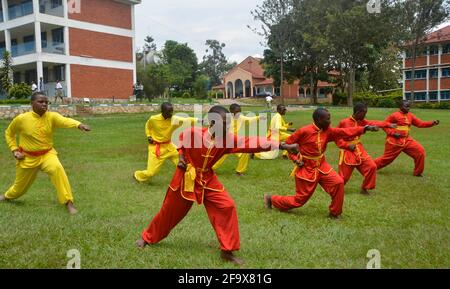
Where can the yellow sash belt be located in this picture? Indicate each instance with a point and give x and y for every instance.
(342, 152)
(189, 178)
(301, 157)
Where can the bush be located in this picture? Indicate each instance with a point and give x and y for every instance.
(176, 94)
(14, 101)
(20, 91)
(186, 94)
(387, 102)
(443, 105)
(339, 98)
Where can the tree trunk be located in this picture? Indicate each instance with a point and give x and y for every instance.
(282, 78)
(351, 86)
(311, 90)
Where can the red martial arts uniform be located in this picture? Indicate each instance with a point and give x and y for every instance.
(313, 143)
(200, 184)
(394, 146)
(358, 158)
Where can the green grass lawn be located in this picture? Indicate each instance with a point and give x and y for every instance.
(406, 219)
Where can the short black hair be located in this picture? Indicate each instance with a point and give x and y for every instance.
(234, 107)
(360, 106)
(218, 109)
(280, 106)
(36, 94)
(402, 102)
(318, 113)
(165, 105)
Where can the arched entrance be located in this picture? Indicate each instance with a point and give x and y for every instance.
(239, 87)
(248, 89)
(230, 90)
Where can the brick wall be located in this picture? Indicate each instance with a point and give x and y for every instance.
(100, 45)
(105, 12)
(98, 82)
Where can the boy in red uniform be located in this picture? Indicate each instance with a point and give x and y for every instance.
(353, 155)
(399, 140)
(195, 181)
(312, 168)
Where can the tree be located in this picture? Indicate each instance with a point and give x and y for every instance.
(276, 27)
(182, 64)
(385, 72)
(6, 72)
(201, 86)
(419, 17)
(214, 63)
(149, 44)
(356, 37)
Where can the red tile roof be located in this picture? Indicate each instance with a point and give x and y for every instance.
(438, 36)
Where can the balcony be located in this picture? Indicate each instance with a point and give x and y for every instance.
(18, 9)
(51, 7)
(55, 48)
(23, 49)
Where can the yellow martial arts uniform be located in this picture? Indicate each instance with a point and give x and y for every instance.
(277, 132)
(36, 138)
(243, 158)
(161, 130)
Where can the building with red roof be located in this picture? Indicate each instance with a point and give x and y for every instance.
(432, 72)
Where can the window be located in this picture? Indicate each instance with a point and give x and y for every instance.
(421, 51)
(433, 95)
(27, 7)
(58, 36)
(446, 48)
(420, 74)
(30, 75)
(445, 95)
(434, 50)
(59, 72)
(17, 77)
(28, 42)
(56, 3)
(14, 47)
(408, 74)
(44, 39)
(446, 72)
(46, 75)
(408, 54)
(433, 73)
(420, 96)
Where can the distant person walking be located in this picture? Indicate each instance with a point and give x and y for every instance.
(269, 100)
(58, 91)
(33, 87)
(139, 90)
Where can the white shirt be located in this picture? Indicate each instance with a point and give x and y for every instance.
(59, 86)
(269, 98)
(34, 87)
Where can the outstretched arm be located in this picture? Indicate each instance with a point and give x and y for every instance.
(422, 124)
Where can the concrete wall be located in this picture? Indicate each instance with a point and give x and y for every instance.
(9, 112)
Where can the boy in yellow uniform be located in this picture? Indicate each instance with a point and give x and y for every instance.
(35, 150)
(236, 125)
(159, 129)
(277, 132)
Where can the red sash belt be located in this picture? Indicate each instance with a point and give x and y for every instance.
(35, 153)
(158, 147)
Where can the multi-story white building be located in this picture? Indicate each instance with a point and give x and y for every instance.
(86, 44)
(432, 71)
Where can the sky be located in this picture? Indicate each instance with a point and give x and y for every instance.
(195, 21)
